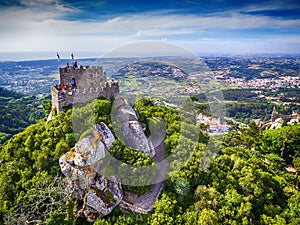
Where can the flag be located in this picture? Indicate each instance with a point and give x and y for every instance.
(58, 57)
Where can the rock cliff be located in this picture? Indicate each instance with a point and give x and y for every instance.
(84, 166)
(129, 129)
(95, 195)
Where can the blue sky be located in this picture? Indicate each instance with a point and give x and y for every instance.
(217, 26)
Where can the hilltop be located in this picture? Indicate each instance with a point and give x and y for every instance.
(250, 178)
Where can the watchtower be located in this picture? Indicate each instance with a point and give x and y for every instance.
(274, 115)
(81, 85)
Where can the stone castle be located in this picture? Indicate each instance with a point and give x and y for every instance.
(81, 85)
(277, 120)
(95, 193)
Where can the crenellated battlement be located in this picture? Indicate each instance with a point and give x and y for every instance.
(81, 85)
(91, 75)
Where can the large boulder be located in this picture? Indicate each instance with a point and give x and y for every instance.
(129, 130)
(95, 195)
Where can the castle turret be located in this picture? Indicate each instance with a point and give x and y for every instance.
(274, 115)
(81, 85)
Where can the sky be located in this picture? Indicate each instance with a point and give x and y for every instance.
(40, 28)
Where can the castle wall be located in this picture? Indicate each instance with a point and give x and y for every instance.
(55, 98)
(85, 92)
(90, 77)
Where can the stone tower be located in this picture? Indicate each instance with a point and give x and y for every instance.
(274, 115)
(81, 85)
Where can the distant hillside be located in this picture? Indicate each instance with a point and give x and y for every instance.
(149, 69)
(9, 94)
(17, 112)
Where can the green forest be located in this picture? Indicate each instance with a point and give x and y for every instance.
(245, 105)
(251, 176)
(18, 111)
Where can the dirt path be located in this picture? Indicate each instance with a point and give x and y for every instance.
(146, 200)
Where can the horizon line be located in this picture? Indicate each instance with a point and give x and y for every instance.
(44, 55)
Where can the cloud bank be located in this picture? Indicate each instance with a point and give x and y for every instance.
(52, 25)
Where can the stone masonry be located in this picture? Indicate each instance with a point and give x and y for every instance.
(90, 81)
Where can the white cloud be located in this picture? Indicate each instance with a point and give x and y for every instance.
(43, 5)
(272, 44)
(37, 2)
(40, 26)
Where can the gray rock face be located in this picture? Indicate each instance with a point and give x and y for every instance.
(130, 130)
(292, 121)
(98, 196)
(276, 124)
(135, 137)
(107, 135)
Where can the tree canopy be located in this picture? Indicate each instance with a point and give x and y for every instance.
(253, 178)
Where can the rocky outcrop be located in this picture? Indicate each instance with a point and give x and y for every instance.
(95, 195)
(129, 129)
(293, 121)
(276, 124)
(85, 165)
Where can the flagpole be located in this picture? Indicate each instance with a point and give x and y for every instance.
(72, 56)
(58, 63)
(58, 57)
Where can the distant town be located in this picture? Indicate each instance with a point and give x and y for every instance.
(257, 72)
(268, 80)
